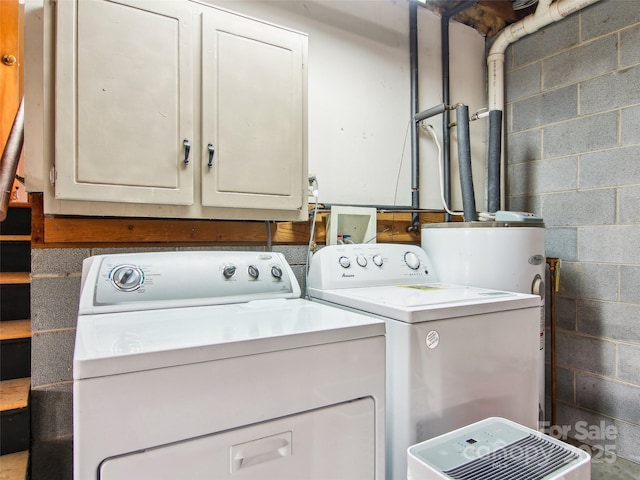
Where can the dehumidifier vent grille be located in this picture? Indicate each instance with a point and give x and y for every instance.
(531, 458)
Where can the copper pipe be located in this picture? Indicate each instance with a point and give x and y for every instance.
(10, 158)
(554, 270)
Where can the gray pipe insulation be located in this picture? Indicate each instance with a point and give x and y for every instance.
(430, 112)
(464, 164)
(493, 161)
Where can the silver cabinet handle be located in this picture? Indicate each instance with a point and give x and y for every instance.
(187, 149)
(211, 153)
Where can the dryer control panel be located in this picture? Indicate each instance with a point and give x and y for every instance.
(366, 265)
(146, 281)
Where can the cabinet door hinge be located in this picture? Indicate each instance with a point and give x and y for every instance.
(52, 175)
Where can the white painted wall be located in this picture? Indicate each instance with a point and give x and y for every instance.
(359, 95)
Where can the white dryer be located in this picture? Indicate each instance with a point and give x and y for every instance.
(206, 365)
(455, 354)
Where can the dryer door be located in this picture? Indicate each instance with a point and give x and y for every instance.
(331, 442)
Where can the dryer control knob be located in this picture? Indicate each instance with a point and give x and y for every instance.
(276, 272)
(377, 260)
(412, 260)
(229, 271)
(362, 261)
(127, 278)
(253, 272)
(344, 262)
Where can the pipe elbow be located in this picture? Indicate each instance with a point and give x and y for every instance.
(501, 42)
(495, 57)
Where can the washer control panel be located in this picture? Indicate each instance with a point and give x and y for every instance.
(143, 281)
(360, 265)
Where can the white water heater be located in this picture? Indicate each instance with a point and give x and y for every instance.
(501, 255)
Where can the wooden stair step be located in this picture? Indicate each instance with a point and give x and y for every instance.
(14, 394)
(15, 415)
(14, 278)
(14, 329)
(14, 466)
(15, 238)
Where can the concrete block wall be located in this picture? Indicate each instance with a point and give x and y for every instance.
(54, 303)
(572, 124)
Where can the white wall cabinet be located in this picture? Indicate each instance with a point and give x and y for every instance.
(251, 113)
(177, 109)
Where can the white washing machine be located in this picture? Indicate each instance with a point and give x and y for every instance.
(208, 365)
(455, 354)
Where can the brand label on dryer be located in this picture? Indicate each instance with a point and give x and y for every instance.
(432, 339)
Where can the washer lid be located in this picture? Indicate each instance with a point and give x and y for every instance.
(110, 344)
(425, 302)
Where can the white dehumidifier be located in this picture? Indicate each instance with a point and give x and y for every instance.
(496, 449)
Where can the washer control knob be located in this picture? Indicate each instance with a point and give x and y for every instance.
(377, 260)
(127, 278)
(412, 260)
(276, 272)
(362, 261)
(229, 271)
(344, 262)
(253, 272)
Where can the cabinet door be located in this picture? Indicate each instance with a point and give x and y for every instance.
(124, 106)
(254, 114)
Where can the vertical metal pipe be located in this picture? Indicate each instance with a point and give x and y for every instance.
(464, 161)
(493, 161)
(446, 135)
(554, 267)
(413, 66)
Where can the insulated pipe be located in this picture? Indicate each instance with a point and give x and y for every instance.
(430, 112)
(413, 66)
(545, 14)
(446, 133)
(464, 162)
(443, 108)
(493, 161)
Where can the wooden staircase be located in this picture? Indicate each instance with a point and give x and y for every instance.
(15, 342)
